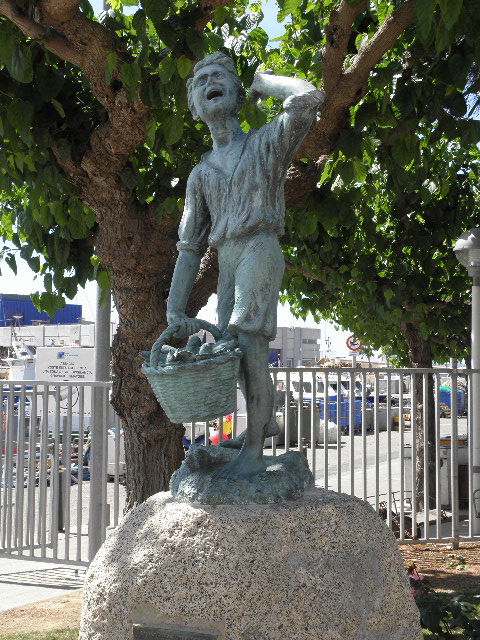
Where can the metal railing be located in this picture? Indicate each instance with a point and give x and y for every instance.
(400, 439)
(49, 509)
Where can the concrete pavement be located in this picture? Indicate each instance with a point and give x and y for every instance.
(26, 581)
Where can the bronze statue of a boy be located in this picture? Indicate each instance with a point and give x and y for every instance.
(235, 202)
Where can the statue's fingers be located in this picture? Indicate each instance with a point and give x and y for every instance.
(155, 353)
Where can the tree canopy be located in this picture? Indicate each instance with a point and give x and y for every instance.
(97, 143)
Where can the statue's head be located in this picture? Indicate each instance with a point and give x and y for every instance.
(215, 88)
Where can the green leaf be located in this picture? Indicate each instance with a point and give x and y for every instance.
(62, 250)
(287, 7)
(151, 131)
(388, 294)
(130, 75)
(195, 43)
(139, 23)
(49, 302)
(450, 10)
(20, 114)
(260, 36)
(173, 128)
(111, 63)
(166, 69)
(424, 10)
(47, 282)
(34, 263)
(219, 15)
(184, 66)
(307, 225)
(359, 170)
(170, 206)
(58, 108)
(156, 10)
(64, 148)
(103, 279)
(404, 149)
(442, 39)
(349, 143)
(20, 65)
(12, 263)
(254, 115)
(7, 43)
(129, 177)
(49, 81)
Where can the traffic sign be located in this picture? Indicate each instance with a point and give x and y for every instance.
(353, 343)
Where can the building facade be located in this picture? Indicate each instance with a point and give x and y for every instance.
(295, 346)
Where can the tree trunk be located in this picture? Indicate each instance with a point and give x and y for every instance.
(420, 355)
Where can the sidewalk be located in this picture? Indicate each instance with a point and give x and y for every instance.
(26, 581)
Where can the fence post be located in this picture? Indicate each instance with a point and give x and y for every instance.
(102, 373)
(60, 507)
(475, 418)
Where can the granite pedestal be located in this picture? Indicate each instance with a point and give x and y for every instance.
(323, 567)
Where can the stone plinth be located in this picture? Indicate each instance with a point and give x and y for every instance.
(284, 478)
(324, 567)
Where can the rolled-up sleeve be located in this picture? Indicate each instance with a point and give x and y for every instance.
(195, 224)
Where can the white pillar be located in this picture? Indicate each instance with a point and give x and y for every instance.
(102, 373)
(475, 390)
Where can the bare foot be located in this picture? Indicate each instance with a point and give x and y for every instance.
(235, 443)
(247, 463)
(271, 429)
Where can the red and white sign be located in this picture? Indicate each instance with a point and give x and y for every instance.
(353, 343)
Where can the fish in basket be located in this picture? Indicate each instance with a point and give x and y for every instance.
(197, 382)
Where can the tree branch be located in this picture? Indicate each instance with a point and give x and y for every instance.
(59, 10)
(383, 40)
(205, 284)
(338, 32)
(54, 42)
(342, 92)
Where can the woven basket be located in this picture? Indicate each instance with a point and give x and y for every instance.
(195, 391)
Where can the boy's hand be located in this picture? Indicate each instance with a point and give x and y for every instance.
(266, 83)
(186, 326)
(258, 89)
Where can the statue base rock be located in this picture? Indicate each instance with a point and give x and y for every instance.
(285, 478)
(324, 567)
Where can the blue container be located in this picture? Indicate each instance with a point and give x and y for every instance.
(332, 413)
(445, 396)
(16, 305)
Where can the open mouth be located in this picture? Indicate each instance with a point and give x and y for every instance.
(214, 93)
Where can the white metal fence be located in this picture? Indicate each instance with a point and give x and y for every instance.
(60, 497)
(56, 503)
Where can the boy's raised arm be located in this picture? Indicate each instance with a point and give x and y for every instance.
(266, 84)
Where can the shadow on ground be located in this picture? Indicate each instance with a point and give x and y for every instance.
(53, 578)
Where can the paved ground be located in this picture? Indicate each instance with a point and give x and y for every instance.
(26, 581)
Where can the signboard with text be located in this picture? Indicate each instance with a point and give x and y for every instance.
(60, 364)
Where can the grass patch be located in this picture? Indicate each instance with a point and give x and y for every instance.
(54, 634)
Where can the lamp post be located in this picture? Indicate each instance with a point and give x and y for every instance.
(467, 251)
